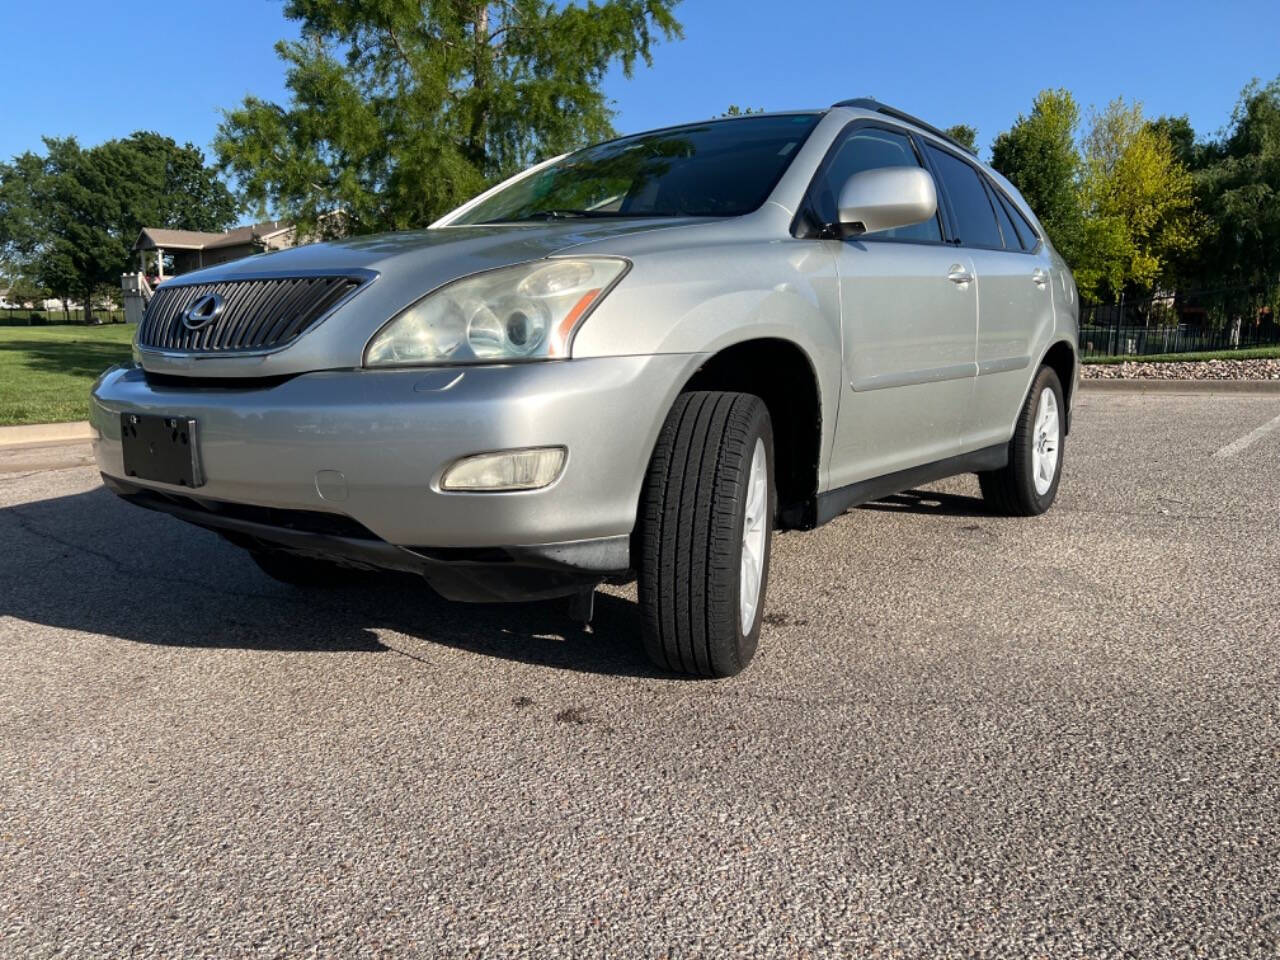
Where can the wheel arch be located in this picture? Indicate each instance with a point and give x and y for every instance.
(1060, 356)
(784, 376)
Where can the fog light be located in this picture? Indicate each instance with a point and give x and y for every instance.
(508, 470)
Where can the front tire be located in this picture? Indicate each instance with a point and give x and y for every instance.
(704, 532)
(1028, 484)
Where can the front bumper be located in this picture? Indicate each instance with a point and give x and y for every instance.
(377, 442)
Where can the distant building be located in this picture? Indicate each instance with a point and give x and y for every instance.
(189, 250)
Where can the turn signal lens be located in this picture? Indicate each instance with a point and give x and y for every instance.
(508, 470)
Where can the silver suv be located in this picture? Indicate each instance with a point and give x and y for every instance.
(637, 360)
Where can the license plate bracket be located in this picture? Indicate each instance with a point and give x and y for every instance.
(161, 448)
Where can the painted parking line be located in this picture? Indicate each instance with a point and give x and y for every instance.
(1250, 438)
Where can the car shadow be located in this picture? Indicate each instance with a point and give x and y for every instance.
(90, 562)
(84, 359)
(931, 502)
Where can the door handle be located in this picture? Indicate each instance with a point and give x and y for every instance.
(959, 275)
(1039, 277)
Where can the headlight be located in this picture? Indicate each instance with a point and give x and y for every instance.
(529, 311)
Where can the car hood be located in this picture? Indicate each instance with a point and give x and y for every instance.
(404, 266)
(444, 252)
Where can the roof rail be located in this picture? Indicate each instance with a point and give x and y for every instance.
(869, 103)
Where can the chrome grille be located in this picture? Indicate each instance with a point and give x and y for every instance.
(257, 314)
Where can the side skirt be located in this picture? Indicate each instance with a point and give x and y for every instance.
(835, 502)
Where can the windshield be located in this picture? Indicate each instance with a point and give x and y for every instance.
(722, 168)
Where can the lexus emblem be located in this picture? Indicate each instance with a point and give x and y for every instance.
(203, 312)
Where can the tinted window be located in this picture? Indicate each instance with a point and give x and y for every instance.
(1026, 233)
(869, 148)
(719, 169)
(1012, 240)
(975, 220)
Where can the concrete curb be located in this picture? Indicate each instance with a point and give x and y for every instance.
(1181, 386)
(44, 433)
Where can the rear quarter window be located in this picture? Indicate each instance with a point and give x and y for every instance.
(1012, 237)
(1026, 233)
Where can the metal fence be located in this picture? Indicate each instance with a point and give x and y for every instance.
(20, 317)
(1179, 322)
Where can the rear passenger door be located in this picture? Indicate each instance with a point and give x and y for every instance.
(908, 312)
(1015, 310)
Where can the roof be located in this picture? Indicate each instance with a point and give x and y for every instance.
(875, 106)
(152, 237)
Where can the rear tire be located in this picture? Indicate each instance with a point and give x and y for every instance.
(299, 571)
(702, 598)
(1028, 484)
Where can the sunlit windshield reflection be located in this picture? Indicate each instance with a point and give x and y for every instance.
(722, 168)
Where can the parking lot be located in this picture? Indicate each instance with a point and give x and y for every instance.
(963, 735)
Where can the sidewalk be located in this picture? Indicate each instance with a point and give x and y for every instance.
(42, 433)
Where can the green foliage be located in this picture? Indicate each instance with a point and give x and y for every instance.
(15, 287)
(1121, 211)
(69, 218)
(1243, 353)
(1238, 187)
(402, 109)
(965, 135)
(737, 111)
(1181, 136)
(1039, 156)
(1137, 200)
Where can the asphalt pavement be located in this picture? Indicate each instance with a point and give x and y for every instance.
(963, 735)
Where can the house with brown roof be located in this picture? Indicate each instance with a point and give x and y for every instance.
(187, 250)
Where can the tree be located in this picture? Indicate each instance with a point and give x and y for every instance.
(402, 109)
(1181, 136)
(964, 135)
(69, 218)
(1138, 203)
(1039, 156)
(737, 111)
(1238, 185)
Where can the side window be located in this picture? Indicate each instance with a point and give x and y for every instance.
(1026, 233)
(975, 220)
(1012, 238)
(869, 148)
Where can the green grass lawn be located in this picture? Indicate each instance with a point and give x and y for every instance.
(1249, 353)
(46, 372)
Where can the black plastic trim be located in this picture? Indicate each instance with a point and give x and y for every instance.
(835, 502)
(471, 574)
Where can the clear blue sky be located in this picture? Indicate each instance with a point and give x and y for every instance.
(99, 70)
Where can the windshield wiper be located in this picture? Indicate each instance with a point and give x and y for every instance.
(562, 214)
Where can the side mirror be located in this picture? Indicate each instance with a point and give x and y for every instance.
(885, 198)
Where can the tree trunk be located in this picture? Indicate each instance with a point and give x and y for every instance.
(481, 64)
(88, 306)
